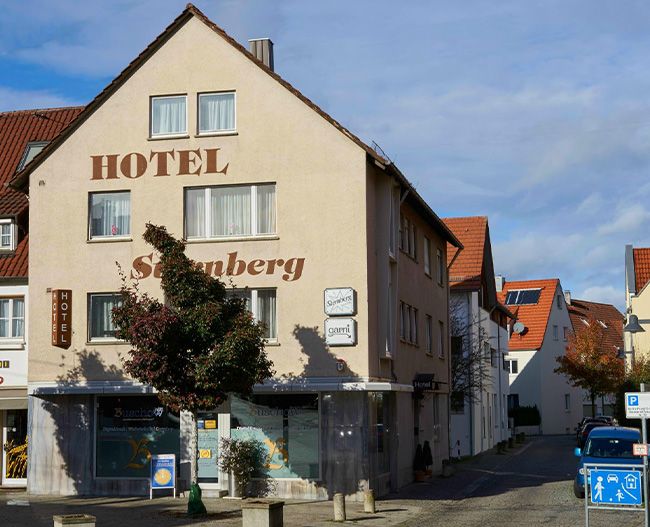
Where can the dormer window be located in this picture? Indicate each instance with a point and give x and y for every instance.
(31, 151)
(7, 235)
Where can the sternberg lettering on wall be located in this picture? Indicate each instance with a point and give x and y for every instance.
(290, 269)
(158, 164)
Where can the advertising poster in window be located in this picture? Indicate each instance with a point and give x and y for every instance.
(130, 430)
(208, 443)
(287, 426)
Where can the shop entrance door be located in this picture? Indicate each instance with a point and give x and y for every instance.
(14, 451)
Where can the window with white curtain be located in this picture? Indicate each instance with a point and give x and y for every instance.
(216, 112)
(229, 211)
(168, 115)
(7, 235)
(12, 318)
(262, 305)
(110, 214)
(100, 311)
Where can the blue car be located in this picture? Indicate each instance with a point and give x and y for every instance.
(606, 445)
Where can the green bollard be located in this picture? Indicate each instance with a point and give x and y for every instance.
(195, 505)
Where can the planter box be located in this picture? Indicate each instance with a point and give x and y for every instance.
(78, 520)
(262, 513)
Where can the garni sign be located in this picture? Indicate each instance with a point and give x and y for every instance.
(289, 269)
(61, 318)
(340, 332)
(340, 301)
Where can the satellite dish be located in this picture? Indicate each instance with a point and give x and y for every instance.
(518, 328)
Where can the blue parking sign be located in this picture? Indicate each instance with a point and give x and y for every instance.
(633, 400)
(616, 487)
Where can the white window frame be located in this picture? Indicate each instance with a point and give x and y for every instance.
(12, 337)
(89, 318)
(12, 234)
(254, 306)
(176, 134)
(203, 133)
(427, 256)
(28, 149)
(207, 220)
(110, 236)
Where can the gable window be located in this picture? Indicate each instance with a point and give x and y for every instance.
(556, 333)
(100, 319)
(441, 267)
(110, 214)
(559, 301)
(427, 256)
(512, 366)
(221, 212)
(12, 318)
(31, 151)
(523, 296)
(262, 305)
(168, 115)
(216, 112)
(566, 333)
(7, 235)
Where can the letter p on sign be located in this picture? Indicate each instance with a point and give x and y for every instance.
(633, 400)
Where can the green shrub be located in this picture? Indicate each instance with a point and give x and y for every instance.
(526, 416)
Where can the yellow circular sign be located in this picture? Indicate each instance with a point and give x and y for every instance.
(162, 476)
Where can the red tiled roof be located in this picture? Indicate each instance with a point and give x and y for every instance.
(17, 129)
(582, 310)
(533, 316)
(641, 267)
(467, 267)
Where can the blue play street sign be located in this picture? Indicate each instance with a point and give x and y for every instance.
(616, 487)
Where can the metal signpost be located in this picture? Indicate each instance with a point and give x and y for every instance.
(637, 406)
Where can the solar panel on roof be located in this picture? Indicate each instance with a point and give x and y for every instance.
(523, 296)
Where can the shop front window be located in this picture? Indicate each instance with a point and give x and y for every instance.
(288, 428)
(129, 431)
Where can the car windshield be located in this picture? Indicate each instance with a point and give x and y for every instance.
(609, 447)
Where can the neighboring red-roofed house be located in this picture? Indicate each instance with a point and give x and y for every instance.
(22, 135)
(583, 313)
(537, 338)
(478, 326)
(637, 300)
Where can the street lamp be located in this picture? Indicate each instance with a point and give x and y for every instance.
(631, 327)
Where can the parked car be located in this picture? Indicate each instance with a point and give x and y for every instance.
(606, 445)
(608, 420)
(586, 429)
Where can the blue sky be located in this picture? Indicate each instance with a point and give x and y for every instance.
(534, 113)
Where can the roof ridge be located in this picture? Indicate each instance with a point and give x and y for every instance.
(591, 302)
(34, 110)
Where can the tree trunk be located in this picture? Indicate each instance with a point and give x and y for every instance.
(194, 449)
(593, 404)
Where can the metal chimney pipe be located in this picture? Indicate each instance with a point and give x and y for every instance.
(262, 50)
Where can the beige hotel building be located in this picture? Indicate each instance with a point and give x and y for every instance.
(335, 251)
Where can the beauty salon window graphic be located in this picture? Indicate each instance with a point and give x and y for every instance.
(288, 428)
(129, 431)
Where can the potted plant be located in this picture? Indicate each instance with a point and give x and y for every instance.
(418, 464)
(242, 459)
(428, 458)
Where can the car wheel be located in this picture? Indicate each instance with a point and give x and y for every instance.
(578, 491)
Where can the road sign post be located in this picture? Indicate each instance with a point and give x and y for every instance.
(637, 406)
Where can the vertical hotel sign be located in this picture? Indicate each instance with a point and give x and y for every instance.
(61, 318)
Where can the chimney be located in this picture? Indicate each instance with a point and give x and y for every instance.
(500, 281)
(567, 297)
(262, 50)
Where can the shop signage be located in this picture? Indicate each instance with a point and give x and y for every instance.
(290, 270)
(61, 318)
(340, 332)
(158, 163)
(340, 301)
(163, 473)
(423, 382)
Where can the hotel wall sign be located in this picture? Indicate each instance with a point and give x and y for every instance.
(340, 301)
(61, 318)
(340, 332)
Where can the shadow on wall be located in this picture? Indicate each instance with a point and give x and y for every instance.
(71, 418)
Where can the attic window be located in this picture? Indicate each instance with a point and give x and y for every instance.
(602, 324)
(31, 151)
(523, 296)
(7, 235)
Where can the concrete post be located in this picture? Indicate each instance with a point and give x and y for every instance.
(369, 501)
(77, 520)
(339, 507)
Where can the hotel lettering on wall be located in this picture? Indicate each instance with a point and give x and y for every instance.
(61, 318)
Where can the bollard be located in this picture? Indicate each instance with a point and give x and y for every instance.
(339, 507)
(511, 442)
(369, 501)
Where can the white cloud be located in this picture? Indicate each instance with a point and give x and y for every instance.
(606, 294)
(628, 220)
(11, 99)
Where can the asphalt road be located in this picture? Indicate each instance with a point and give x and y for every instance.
(531, 486)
